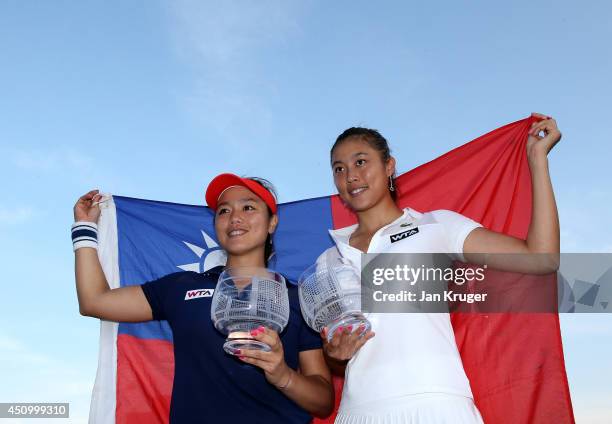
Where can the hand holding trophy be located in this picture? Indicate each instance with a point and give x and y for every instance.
(245, 299)
(330, 296)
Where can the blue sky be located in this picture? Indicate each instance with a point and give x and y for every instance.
(152, 99)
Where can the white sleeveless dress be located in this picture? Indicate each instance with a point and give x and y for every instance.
(411, 371)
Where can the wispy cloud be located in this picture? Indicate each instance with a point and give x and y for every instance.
(13, 352)
(62, 168)
(581, 212)
(225, 43)
(29, 375)
(15, 216)
(586, 325)
(224, 35)
(10, 344)
(48, 160)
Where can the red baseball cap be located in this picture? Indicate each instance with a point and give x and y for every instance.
(224, 181)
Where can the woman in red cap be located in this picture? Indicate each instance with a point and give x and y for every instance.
(285, 385)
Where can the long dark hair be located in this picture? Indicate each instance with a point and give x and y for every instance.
(375, 140)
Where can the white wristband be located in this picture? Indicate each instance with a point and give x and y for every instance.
(84, 234)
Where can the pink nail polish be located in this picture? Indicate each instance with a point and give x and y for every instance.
(237, 352)
(253, 332)
(261, 328)
(340, 329)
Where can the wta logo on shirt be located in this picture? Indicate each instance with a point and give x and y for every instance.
(403, 235)
(196, 294)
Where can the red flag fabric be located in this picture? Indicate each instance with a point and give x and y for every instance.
(514, 361)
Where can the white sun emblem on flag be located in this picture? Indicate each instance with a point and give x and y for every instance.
(210, 256)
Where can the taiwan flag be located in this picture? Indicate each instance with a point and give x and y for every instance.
(522, 378)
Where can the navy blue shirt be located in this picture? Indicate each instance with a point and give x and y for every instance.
(211, 386)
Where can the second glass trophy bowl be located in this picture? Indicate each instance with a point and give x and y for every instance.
(330, 296)
(247, 298)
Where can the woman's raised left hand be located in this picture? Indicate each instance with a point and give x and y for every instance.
(273, 362)
(538, 145)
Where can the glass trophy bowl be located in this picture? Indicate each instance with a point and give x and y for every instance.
(330, 296)
(245, 299)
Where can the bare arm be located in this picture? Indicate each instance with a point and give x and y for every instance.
(96, 299)
(336, 366)
(540, 251)
(311, 387)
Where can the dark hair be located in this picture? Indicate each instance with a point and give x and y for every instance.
(375, 140)
(269, 246)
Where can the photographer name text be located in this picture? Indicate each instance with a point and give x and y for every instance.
(446, 296)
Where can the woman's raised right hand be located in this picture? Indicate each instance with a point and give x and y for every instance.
(345, 342)
(86, 208)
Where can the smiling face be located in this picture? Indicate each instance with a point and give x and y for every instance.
(360, 175)
(243, 222)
